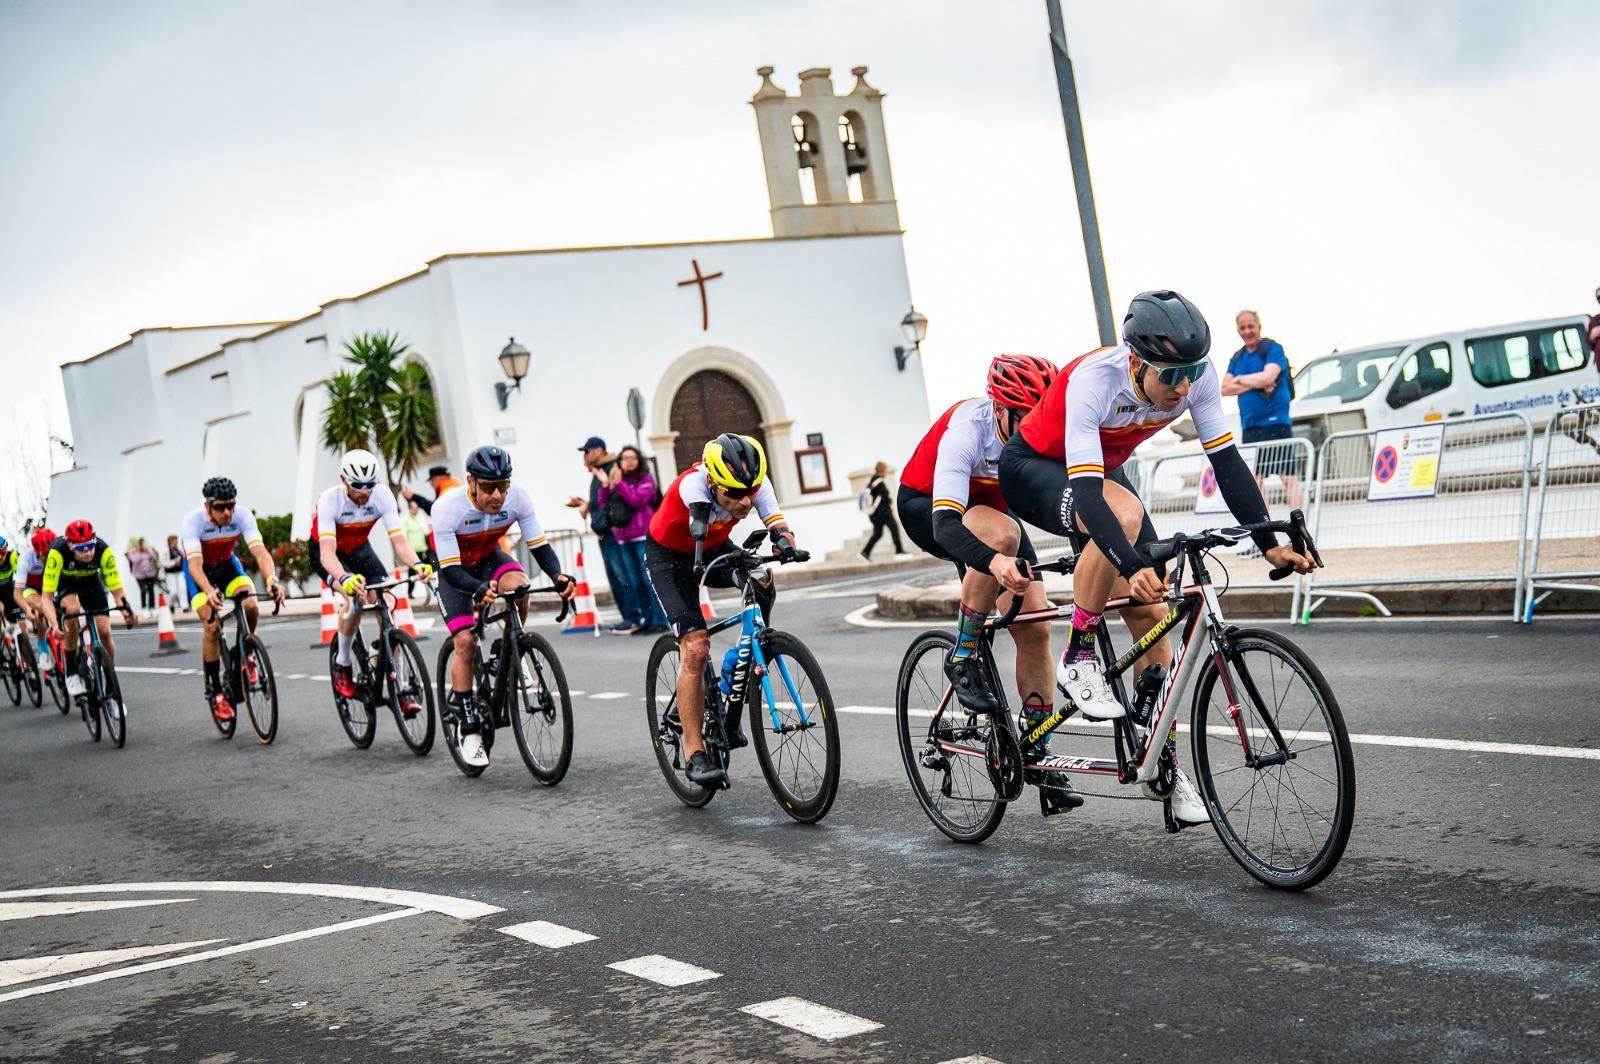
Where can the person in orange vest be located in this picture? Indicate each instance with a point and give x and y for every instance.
(439, 479)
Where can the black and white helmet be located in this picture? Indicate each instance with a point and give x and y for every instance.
(219, 488)
(359, 467)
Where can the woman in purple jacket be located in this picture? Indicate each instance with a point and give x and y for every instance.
(631, 484)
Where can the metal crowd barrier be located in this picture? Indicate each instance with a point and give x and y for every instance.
(1566, 529)
(1176, 483)
(1482, 497)
(566, 542)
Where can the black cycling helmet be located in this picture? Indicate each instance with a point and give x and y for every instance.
(219, 488)
(489, 463)
(1165, 329)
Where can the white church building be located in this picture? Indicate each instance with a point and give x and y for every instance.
(792, 339)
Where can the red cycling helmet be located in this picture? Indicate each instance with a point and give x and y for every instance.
(41, 539)
(80, 532)
(1020, 381)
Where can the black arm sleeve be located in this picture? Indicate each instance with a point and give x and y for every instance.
(545, 556)
(699, 519)
(458, 577)
(954, 537)
(1242, 494)
(1089, 503)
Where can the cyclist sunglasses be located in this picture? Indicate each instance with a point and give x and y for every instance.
(1172, 376)
(494, 487)
(362, 485)
(223, 505)
(737, 493)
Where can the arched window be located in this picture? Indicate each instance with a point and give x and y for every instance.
(806, 147)
(852, 134)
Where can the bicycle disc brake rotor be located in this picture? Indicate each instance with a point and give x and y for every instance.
(1004, 761)
(1166, 772)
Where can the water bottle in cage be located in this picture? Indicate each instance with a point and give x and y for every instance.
(729, 661)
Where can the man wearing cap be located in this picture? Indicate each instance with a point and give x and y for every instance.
(440, 480)
(598, 462)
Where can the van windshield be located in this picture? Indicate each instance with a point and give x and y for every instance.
(1346, 377)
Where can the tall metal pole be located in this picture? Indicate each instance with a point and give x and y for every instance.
(1068, 87)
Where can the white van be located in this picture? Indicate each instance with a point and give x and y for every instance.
(1533, 368)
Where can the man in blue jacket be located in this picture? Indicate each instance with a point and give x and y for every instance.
(1258, 373)
(598, 462)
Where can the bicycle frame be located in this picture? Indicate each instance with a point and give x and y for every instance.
(751, 625)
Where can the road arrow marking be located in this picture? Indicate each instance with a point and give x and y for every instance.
(24, 969)
(27, 910)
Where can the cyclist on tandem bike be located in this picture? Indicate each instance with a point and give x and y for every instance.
(208, 536)
(468, 522)
(346, 514)
(1058, 472)
(79, 568)
(698, 513)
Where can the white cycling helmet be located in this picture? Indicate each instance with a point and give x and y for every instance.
(359, 467)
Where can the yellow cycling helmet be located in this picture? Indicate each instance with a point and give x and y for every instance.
(735, 463)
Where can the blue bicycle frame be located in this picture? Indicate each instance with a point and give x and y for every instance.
(751, 624)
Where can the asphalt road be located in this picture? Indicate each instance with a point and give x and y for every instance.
(1459, 926)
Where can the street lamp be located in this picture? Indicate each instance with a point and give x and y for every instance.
(514, 361)
(915, 327)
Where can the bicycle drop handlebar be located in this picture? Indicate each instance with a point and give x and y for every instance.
(524, 591)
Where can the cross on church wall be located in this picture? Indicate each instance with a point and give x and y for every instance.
(700, 280)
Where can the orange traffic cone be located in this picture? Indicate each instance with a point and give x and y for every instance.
(584, 618)
(705, 605)
(330, 618)
(166, 633)
(403, 617)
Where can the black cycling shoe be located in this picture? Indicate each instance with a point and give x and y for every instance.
(704, 771)
(732, 732)
(972, 688)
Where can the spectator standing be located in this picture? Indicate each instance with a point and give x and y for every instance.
(440, 480)
(1594, 333)
(1258, 373)
(172, 569)
(881, 512)
(416, 526)
(598, 463)
(629, 500)
(142, 565)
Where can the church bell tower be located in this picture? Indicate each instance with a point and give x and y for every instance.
(826, 156)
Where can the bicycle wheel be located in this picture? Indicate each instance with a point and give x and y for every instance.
(260, 689)
(944, 748)
(1286, 824)
(58, 679)
(30, 676)
(666, 730)
(541, 710)
(800, 754)
(410, 695)
(360, 723)
(112, 708)
(447, 716)
(11, 671)
(225, 728)
(88, 702)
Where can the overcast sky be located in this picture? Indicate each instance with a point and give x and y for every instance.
(1359, 171)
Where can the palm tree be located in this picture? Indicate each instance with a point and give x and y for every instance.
(381, 406)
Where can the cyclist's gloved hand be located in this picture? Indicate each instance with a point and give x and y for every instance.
(422, 569)
(352, 583)
(566, 586)
(276, 592)
(485, 592)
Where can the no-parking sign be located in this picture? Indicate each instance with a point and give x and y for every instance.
(1207, 498)
(1405, 463)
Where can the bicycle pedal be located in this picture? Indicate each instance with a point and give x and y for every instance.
(1052, 801)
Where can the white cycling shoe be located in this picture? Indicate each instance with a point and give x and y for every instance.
(1084, 682)
(74, 685)
(1186, 803)
(472, 751)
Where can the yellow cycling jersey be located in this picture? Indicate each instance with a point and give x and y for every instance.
(8, 566)
(61, 563)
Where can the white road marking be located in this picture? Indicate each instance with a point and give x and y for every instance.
(27, 969)
(977, 1058)
(225, 951)
(459, 908)
(295, 676)
(1418, 742)
(866, 617)
(543, 933)
(603, 696)
(665, 970)
(153, 670)
(27, 910)
(808, 1017)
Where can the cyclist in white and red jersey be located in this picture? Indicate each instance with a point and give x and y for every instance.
(1054, 472)
(30, 571)
(468, 522)
(951, 506)
(700, 509)
(208, 536)
(343, 556)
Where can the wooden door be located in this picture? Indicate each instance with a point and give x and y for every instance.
(709, 404)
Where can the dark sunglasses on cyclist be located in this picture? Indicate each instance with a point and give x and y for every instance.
(362, 485)
(737, 493)
(1172, 376)
(226, 506)
(494, 487)
(82, 548)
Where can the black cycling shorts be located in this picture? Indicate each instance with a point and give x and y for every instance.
(457, 604)
(12, 610)
(363, 561)
(916, 517)
(90, 591)
(672, 578)
(1036, 488)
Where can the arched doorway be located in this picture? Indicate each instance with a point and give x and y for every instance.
(708, 403)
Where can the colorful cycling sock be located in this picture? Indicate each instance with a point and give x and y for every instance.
(342, 658)
(1080, 645)
(969, 622)
(1032, 714)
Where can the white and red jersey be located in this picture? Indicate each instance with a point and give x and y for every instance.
(1093, 416)
(670, 525)
(958, 461)
(213, 543)
(349, 525)
(465, 535)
